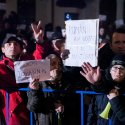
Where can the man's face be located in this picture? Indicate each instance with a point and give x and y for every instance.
(118, 43)
(118, 73)
(55, 69)
(11, 49)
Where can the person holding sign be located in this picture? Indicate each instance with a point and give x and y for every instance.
(44, 104)
(111, 83)
(12, 49)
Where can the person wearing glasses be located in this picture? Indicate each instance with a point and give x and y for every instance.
(112, 85)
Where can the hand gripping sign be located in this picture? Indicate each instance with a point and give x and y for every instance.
(25, 71)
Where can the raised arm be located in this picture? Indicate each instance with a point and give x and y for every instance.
(43, 48)
(38, 32)
(95, 78)
(93, 75)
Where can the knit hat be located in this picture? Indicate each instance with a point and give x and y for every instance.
(12, 37)
(119, 59)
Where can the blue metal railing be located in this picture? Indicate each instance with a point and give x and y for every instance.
(81, 93)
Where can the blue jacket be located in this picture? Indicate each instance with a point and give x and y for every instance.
(99, 102)
(97, 105)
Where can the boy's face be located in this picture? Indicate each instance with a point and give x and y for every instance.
(118, 43)
(118, 73)
(11, 49)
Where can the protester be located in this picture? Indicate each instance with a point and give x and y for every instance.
(111, 83)
(12, 49)
(42, 104)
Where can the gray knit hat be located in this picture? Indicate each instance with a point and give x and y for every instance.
(119, 59)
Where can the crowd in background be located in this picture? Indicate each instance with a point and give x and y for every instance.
(30, 42)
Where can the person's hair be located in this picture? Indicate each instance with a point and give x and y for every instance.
(120, 29)
(53, 56)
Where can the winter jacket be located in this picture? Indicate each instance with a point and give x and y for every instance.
(99, 102)
(118, 107)
(18, 113)
(42, 103)
(96, 106)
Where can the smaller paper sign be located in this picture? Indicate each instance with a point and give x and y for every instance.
(25, 71)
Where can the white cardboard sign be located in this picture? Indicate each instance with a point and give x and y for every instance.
(25, 71)
(82, 42)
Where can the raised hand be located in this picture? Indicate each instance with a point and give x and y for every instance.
(37, 31)
(91, 74)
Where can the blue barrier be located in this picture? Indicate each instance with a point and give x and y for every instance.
(81, 93)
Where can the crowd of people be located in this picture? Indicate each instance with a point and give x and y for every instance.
(16, 47)
(62, 106)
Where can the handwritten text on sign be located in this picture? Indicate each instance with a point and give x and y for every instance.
(82, 42)
(25, 71)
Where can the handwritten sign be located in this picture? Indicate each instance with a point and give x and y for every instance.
(25, 71)
(82, 42)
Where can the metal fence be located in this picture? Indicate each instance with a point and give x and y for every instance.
(81, 93)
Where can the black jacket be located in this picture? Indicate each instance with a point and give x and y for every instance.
(42, 103)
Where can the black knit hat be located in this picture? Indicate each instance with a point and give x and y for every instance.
(119, 59)
(12, 37)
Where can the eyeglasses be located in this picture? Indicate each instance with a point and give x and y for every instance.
(115, 68)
